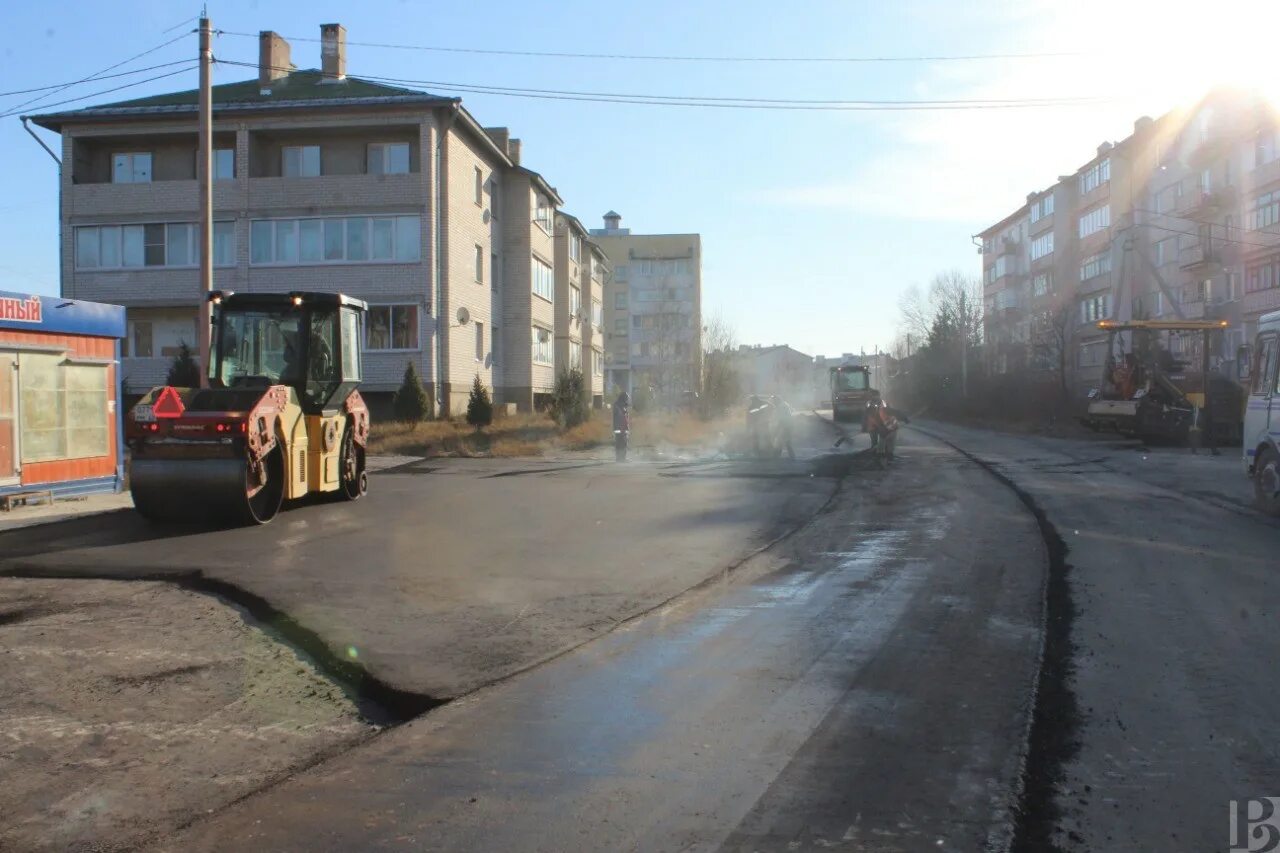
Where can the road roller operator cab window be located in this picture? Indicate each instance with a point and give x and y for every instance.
(313, 348)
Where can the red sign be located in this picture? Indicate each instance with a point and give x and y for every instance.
(169, 404)
(27, 310)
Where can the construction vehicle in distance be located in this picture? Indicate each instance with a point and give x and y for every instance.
(1148, 393)
(280, 419)
(1262, 416)
(850, 392)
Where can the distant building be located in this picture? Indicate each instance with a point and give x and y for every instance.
(580, 272)
(652, 309)
(776, 370)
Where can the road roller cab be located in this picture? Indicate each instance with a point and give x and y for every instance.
(280, 417)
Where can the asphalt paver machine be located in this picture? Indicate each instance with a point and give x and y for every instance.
(280, 417)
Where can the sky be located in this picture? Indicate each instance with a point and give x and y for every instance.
(813, 222)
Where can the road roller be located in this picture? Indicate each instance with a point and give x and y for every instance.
(280, 417)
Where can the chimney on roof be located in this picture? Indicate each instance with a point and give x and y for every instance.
(333, 52)
(273, 60)
(513, 151)
(500, 137)
(612, 221)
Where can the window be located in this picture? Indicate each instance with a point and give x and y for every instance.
(391, 327)
(542, 214)
(1263, 212)
(1166, 200)
(1165, 251)
(621, 272)
(300, 161)
(620, 301)
(479, 264)
(575, 355)
(575, 247)
(479, 186)
(356, 239)
(1040, 209)
(597, 313)
(1041, 246)
(1265, 149)
(1263, 275)
(479, 341)
(1042, 283)
(620, 326)
(383, 158)
(1003, 266)
(493, 270)
(1095, 308)
(575, 303)
(1095, 220)
(541, 345)
(1206, 180)
(1265, 380)
(544, 283)
(1095, 176)
(175, 244)
(64, 408)
(134, 168)
(1095, 265)
(224, 164)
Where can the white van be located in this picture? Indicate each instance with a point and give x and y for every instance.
(1262, 416)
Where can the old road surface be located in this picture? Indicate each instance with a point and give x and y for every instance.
(864, 684)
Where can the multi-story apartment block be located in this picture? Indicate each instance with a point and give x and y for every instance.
(653, 309)
(580, 267)
(1170, 223)
(326, 182)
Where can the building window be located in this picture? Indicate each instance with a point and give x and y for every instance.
(544, 281)
(383, 158)
(131, 168)
(1041, 208)
(597, 313)
(1095, 308)
(391, 327)
(1095, 220)
(1263, 275)
(575, 355)
(541, 345)
(1042, 283)
(1165, 251)
(621, 272)
(1265, 148)
(1095, 176)
(479, 341)
(1263, 212)
(1042, 246)
(1095, 265)
(355, 239)
(224, 164)
(620, 301)
(479, 264)
(300, 161)
(597, 363)
(479, 180)
(542, 214)
(174, 244)
(575, 303)
(575, 247)
(620, 326)
(493, 270)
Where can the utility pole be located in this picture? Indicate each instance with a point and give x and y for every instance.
(204, 178)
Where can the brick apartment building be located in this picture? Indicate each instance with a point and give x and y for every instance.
(579, 333)
(1179, 219)
(653, 310)
(326, 182)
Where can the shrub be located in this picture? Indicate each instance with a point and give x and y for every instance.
(411, 402)
(570, 404)
(184, 372)
(479, 406)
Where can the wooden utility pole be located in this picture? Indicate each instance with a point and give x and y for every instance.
(204, 178)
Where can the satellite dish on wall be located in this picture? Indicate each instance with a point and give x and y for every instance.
(464, 316)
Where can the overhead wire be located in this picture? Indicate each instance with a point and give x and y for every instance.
(191, 66)
(129, 73)
(95, 75)
(716, 101)
(549, 54)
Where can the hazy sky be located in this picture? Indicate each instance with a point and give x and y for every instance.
(812, 222)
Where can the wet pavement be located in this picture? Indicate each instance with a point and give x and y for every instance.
(864, 684)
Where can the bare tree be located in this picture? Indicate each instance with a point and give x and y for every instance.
(721, 381)
(1051, 332)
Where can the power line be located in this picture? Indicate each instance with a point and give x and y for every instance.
(93, 76)
(94, 79)
(721, 101)
(546, 54)
(191, 64)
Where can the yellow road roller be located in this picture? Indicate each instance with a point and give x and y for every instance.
(280, 419)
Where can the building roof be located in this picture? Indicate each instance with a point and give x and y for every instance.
(298, 89)
(541, 183)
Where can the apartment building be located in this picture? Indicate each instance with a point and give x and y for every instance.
(1169, 223)
(579, 305)
(653, 310)
(325, 182)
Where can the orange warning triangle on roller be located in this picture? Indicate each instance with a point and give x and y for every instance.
(168, 404)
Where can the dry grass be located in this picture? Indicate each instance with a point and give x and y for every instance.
(533, 435)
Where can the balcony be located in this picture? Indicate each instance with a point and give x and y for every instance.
(158, 197)
(1261, 301)
(348, 192)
